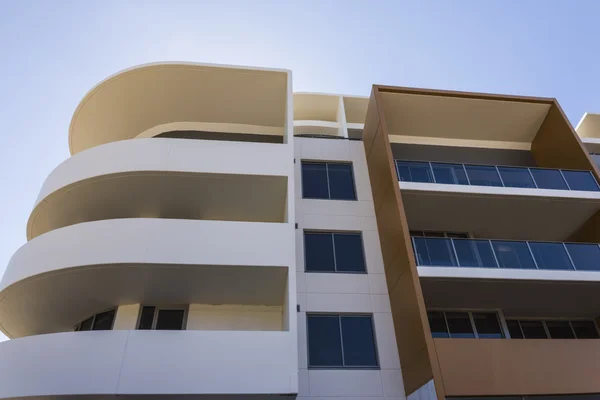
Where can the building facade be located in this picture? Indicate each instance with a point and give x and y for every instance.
(216, 234)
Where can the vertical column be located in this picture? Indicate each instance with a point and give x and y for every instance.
(341, 118)
(416, 349)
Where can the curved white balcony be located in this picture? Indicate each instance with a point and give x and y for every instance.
(67, 274)
(128, 363)
(168, 178)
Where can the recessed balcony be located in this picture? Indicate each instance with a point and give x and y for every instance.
(497, 201)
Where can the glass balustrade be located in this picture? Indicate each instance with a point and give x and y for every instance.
(481, 253)
(489, 175)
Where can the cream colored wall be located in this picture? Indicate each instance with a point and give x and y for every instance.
(234, 317)
(126, 317)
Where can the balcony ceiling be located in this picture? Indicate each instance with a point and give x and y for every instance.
(316, 107)
(508, 213)
(589, 126)
(135, 100)
(160, 194)
(516, 298)
(461, 117)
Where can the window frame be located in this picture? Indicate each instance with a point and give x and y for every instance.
(157, 308)
(332, 233)
(77, 326)
(499, 318)
(548, 336)
(327, 163)
(339, 316)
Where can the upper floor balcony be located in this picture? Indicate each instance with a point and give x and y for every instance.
(326, 115)
(206, 101)
(494, 201)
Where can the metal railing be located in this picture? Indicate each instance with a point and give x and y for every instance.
(482, 253)
(493, 175)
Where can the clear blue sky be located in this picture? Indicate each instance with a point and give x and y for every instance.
(52, 52)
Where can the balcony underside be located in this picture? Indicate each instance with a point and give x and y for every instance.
(68, 274)
(498, 212)
(518, 294)
(150, 364)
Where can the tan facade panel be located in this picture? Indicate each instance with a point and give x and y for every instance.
(415, 347)
(496, 367)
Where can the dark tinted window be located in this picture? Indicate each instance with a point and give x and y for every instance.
(87, 324)
(533, 330)
(475, 253)
(513, 254)
(328, 181)
(548, 179)
(146, 317)
(585, 329)
(482, 175)
(550, 255)
(514, 329)
(341, 182)
(585, 256)
(437, 324)
(459, 325)
(324, 341)
(487, 325)
(170, 320)
(581, 180)
(331, 335)
(453, 174)
(410, 171)
(516, 177)
(314, 181)
(358, 341)
(104, 321)
(331, 252)
(434, 252)
(560, 330)
(319, 252)
(349, 255)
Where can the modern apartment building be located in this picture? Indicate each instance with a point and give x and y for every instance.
(214, 234)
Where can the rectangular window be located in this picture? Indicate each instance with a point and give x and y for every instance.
(553, 329)
(162, 318)
(324, 180)
(334, 252)
(463, 324)
(341, 341)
